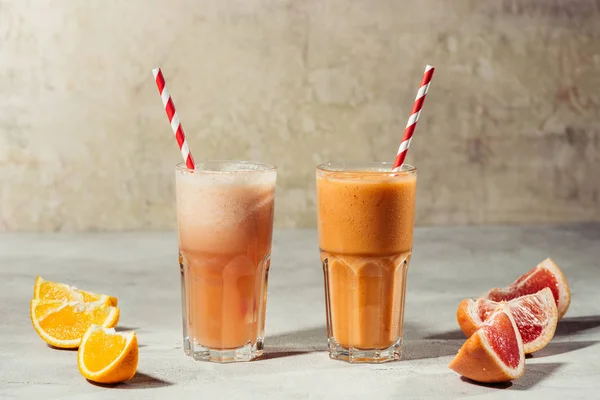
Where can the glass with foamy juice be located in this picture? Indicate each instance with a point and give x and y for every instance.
(225, 221)
(365, 220)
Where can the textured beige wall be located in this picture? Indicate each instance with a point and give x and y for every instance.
(510, 131)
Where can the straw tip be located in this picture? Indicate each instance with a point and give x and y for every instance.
(428, 67)
(155, 71)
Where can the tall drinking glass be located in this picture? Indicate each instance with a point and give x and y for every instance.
(225, 220)
(365, 220)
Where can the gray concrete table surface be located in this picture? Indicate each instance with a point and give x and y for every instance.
(448, 265)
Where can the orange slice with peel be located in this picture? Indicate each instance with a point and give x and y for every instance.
(106, 356)
(48, 290)
(535, 315)
(63, 324)
(494, 353)
(545, 275)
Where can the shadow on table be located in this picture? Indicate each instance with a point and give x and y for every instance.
(139, 381)
(423, 349)
(126, 328)
(315, 340)
(455, 334)
(534, 374)
(295, 343)
(554, 348)
(501, 385)
(280, 353)
(60, 348)
(572, 325)
(566, 326)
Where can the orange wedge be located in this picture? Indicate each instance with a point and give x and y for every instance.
(106, 356)
(63, 324)
(47, 290)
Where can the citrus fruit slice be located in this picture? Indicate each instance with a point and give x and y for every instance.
(62, 324)
(535, 315)
(47, 290)
(545, 274)
(494, 353)
(106, 356)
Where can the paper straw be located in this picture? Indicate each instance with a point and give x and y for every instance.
(173, 118)
(414, 118)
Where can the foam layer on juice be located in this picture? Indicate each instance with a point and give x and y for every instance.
(223, 212)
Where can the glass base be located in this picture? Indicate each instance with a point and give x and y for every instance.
(247, 352)
(371, 356)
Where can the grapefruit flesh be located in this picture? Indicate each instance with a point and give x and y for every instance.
(536, 317)
(503, 340)
(494, 353)
(544, 275)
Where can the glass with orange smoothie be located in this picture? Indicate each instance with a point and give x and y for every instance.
(225, 223)
(365, 221)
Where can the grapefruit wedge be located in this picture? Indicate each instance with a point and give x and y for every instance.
(535, 315)
(494, 353)
(545, 275)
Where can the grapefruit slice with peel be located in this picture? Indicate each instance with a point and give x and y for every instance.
(535, 315)
(48, 290)
(545, 275)
(494, 353)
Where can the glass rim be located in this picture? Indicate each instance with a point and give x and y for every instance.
(263, 167)
(367, 167)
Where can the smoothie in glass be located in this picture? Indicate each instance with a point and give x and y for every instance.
(365, 221)
(225, 221)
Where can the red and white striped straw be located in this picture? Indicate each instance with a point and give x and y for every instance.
(414, 118)
(173, 118)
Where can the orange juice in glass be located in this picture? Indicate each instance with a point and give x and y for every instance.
(365, 221)
(225, 224)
